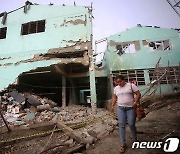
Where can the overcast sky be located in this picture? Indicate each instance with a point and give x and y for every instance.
(113, 16)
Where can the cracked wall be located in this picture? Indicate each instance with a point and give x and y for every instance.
(139, 63)
(142, 58)
(66, 40)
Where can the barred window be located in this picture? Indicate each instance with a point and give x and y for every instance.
(3, 32)
(33, 27)
(172, 75)
(132, 76)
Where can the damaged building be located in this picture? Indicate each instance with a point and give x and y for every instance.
(47, 50)
(146, 55)
(48, 75)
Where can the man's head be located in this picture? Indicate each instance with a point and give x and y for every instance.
(120, 80)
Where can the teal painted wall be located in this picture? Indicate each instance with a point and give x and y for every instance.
(65, 26)
(58, 31)
(10, 73)
(144, 58)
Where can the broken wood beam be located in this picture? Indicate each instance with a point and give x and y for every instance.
(73, 134)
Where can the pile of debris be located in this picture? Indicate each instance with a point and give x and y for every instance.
(24, 109)
(28, 111)
(21, 109)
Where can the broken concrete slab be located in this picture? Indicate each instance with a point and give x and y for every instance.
(33, 101)
(17, 96)
(44, 107)
(55, 109)
(29, 116)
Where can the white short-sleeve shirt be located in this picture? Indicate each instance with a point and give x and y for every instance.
(125, 96)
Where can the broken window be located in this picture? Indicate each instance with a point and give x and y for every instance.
(157, 45)
(128, 47)
(172, 75)
(3, 32)
(33, 27)
(166, 45)
(135, 76)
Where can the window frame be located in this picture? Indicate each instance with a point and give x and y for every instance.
(130, 75)
(3, 34)
(36, 27)
(172, 76)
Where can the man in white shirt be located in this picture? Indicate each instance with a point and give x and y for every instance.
(124, 96)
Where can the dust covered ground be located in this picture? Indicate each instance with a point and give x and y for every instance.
(98, 135)
(157, 126)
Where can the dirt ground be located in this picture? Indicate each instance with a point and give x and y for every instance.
(154, 127)
(160, 122)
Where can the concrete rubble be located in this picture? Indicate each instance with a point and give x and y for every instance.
(38, 109)
(27, 110)
(19, 109)
(31, 111)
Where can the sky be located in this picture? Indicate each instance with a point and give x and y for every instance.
(114, 16)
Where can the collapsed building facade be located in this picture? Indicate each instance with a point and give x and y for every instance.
(47, 50)
(146, 55)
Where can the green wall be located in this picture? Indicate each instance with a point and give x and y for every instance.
(143, 58)
(65, 26)
(59, 28)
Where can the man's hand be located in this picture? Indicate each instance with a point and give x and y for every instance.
(134, 105)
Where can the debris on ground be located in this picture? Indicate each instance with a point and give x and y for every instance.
(39, 125)
(73, 127)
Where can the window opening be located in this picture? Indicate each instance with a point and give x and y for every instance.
(3, 32)
(33, 27)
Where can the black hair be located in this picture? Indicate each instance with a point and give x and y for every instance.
(120, 77)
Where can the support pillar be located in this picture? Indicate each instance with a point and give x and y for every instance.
(93, 88)
(72, 97)
(111, 84)
(92, 70)
(63, 91)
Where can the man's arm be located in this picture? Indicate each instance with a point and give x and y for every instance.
(138, 96)
(114, 99)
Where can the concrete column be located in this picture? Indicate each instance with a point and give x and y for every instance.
(73, 97)
(92, 70)
(63, 91)
(93, 87)
(146, 76)
(111, 85)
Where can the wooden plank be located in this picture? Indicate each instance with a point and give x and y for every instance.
(73, 134)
